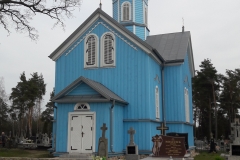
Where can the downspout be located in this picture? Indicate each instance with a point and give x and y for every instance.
(111, 125)
(163, 95)
(55, 138)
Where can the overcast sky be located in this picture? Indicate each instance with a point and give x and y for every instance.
(214, 27)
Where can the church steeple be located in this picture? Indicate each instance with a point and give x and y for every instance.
(133, 14)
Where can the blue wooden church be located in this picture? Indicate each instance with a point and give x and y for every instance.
(111, 70)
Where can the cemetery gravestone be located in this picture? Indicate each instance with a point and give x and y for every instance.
(103, 143)
(132, 149)
(185, 135)
(166, 146)
(235, 146)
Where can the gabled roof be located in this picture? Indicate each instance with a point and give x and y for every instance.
(172, 46)
(98, 13)
(105, 94)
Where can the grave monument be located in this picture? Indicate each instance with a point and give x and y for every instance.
(103, 143)
(132, 149)
(168, 146)
(235, 146)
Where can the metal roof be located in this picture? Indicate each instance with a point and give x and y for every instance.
(106, 94)
(172, 46)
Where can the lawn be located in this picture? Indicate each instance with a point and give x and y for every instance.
(24, 153)
(208, 156)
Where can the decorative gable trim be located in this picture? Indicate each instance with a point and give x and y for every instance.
(80, 40)
(71, 40)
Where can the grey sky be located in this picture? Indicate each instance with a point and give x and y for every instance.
(214, 27)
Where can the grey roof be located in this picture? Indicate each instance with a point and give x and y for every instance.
(106, 94)
(172, 46)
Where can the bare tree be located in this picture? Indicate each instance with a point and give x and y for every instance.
(18, 13)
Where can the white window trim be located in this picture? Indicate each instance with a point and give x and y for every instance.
(130, 11)
(96, 51)
(102, 63)
(187, 109)
(157, 106)
(86, 104)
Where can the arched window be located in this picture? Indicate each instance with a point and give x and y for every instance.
(126, 11)
(108, 50)
(187, 105)
(82, 107)
(91, 51)
(157, 102)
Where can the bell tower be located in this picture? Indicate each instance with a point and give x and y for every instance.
(132, 14)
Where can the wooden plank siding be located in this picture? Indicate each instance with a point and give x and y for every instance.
(135, 74)
(175, 82)
(139, 12)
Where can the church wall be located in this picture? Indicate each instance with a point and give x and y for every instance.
(130, 28)
(132, 78)
(102, 116)
(188, 83)
(174, 93)
(115, 10)
(118, 130)
(139, 11)
(129, 79)
(83, 89)
(140, 32)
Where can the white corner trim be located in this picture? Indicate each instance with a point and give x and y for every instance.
(118, 11)
(133, 10)
(71, 41)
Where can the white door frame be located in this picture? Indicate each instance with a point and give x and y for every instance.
(70, 114)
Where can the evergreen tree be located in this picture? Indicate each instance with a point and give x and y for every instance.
(25, 96)
(206, 85)
(47, 115)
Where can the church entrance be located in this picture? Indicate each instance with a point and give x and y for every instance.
(81, 133)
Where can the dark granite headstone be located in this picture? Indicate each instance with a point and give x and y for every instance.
(235, 150)
(185, 135)
(131, 149)
(166, 146)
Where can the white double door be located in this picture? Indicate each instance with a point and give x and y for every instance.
(81, 129)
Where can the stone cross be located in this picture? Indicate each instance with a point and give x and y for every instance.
(162, 128)
(104, 128)
(131, 131)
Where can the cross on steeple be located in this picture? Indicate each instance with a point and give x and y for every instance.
(104, 128)
(162, 128)
(131, 131)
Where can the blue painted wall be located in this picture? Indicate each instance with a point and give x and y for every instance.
(137, 11)
(135, 74)
(175, 82)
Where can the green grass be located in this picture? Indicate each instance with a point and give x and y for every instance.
(208, 156)
(24, 153)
